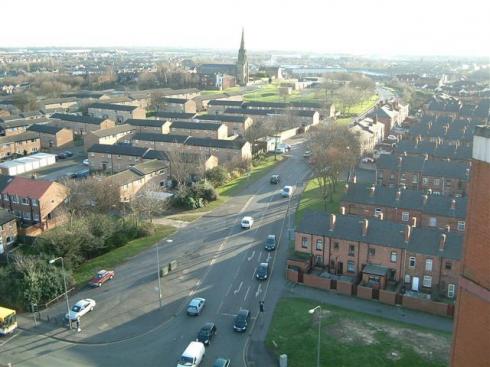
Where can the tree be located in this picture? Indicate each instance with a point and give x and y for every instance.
(26, 101)
(334, 150)
(255, 132)
(146, 204)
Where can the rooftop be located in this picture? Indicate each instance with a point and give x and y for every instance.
(114, 107)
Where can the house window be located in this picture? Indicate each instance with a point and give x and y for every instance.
(15, 199)
(432, 221)
(428, 265)
(319, 245)
(304, 242)
(411, 262)
(6, 197)
(35, 217)
(449, 265)
(350, 266)
(372, 252)
(437, 181)
(405, 216)
(25, 201)
(425, 180)
(427, 282)
(335, 245)
(377, 212)
(35, 202)
(414, 179)
(461, 225)
(451, 288)
(26, 215)
(393, 256)
(352, 250)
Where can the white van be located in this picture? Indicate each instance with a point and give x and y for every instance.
(192, 356)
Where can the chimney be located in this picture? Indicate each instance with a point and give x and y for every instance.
(398, 195)
(407, 233)
(365, 225)
(448, 228)
(453, 204)
(342, 210)
(442, 242)
(333, 220)
(380, 216)
(414, 222)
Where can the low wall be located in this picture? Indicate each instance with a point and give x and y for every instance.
(387, 297)
(425, 305)
(364, 292)
(292, 275)
(316, 281)
(344, 287)
(288, 133)
(303, 265)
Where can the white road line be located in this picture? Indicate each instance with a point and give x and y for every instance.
(251, 256)
(17, 333)
(259, 290)
(221, 246)
(219, 308)
(246, 294)
(229, 314)
(260, 256)
(269, 257)
(228, 291)
(247, 204)
(238, 290)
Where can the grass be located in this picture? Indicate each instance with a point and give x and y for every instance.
(364, 105)
(351, 339)
(212, 92)
(311, 200)
(119, 255)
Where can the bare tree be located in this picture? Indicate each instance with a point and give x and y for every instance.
(184, 165)
(147, 203)
(255, 132)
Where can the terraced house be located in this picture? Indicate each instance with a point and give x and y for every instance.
(237, 125)
(116, 112)
(199, 129)
(20, 144)
(80, 125)
(112, 135)
(52, 136)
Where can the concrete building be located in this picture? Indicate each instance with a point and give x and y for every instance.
(26, 164)
(116, 112)
(20, 144)
(52, 136)
(80, 125)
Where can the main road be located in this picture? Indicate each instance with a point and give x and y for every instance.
(216, 260)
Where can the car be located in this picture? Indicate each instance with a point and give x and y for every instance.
(61, 156)
(68, 153)
(262, 272)
(367, 160)
(195, 306)
(80, 308)
(241, 320)
(221, 362)
(206, 333)
(270, 242)
(280, 150)
(247, 222)
(275, 179)
(86, 162)
(307, 154)
(287, 147)
(101, 277)
(286, 191)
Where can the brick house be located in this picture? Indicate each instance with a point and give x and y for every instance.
(237, 124)
(443, 130)
(60, 104)
(434, 150)
(119, 157)
(418, 173)
(405, 206)
(81, 125)
(178, 105)
(52, 136)
(219, 106)
(18, 126)
(116, 112)
(20, 144)
(150, 126)
(370, 133)
(424, 259)
(112, 135)
(268, 116)
(34, 202)
(8, 231)
(199, 129)
(172, 116)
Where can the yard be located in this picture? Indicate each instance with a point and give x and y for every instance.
(351, 338)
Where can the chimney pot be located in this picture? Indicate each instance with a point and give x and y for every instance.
(365, 224)
(407, 233)
(333, 220)
(442, 242)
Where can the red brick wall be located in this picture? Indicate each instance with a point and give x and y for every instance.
(316, 281)
(344, 287)
(304, 265)
(436, 308)
(386, 297)
(292, 275)
(364, 292)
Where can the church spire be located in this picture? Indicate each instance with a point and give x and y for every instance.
(242, 63)
(242, 43)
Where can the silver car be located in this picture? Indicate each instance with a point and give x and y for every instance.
(195, 306)
(80, 308)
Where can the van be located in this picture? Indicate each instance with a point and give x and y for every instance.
(192, 356)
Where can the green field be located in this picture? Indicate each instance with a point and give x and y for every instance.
(351, 339)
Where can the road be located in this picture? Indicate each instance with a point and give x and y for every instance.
(216, 260)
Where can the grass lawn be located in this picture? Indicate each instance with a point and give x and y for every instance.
(211, 92)
(364, 105)
(311, 200)
(344, 121)
(352, 339)
(119, 255)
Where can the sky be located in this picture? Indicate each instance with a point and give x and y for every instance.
(359, 27)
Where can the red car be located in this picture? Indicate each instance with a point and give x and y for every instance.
(101, 277)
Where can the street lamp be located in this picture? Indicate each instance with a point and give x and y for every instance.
(312, 311)
(52, 261)
(158, 274)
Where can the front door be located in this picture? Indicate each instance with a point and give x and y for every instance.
(340, 268)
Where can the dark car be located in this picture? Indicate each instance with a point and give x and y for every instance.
(241, 320)
(61, 156)
(221, 362)
(68, 153)
(275, 179)
(206, 333)
(270, 242)
(262, 272)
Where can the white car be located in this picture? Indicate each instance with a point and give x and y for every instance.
(247, 222)
(86, 162)
(286, 191)
(80, 308)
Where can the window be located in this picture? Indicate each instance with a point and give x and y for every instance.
(407, 278)
(405, 216)
(427, 282)
(6, 197)
(428, 265)
(432, 221)
(411, 262)
(24, 201)
(319, 244)
(335, 245)
(393, 256)
(461, 225)
(26, 215)
(35, 217)
(35, 202)
(372, 252)
(15, 199)
(352, 250)
(350, 266)
(449, 265)
(425, 180)
(437, 181)
(415, 179)
(451, 288)
(377, 212)
(304, 242)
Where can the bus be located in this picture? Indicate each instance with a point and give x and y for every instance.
(8, 321)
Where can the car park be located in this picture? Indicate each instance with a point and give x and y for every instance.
(241, 320)
(206, 333)
(275, 179)
(270, 242)
(221, 362)
(80, 308)
(101, 277)
(262, 272)
(195, 306)
(287, 191)
(247, 222)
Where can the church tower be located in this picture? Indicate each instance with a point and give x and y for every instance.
(242, 63)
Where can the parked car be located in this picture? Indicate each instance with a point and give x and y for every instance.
(206, 333)
(241, 320)
(80, 174)
(280, 150)
(68, 153)
(287, 147)
(61, 156)
(307, 154)
(192, 355)
(270, 242)
(101, 277)
(286, 191)
(221, 362)
(247, 222)
(195, 306)
(262, 272)
(80, 308)
(275, 179)
(367, 160)
(86, 162)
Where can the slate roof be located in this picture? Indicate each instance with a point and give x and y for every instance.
(6, 217)
(145, 122)
(174, 115)
(270, 105)
(45, 129)
(166, 138)
(175, 100)
(451, 151)
(223, 118)
(115, 107)
(195, 125)
(216, 143)
(19, 137)
(148, 167)
(118, 149)
(383, 233)
(77, 118)
(18, 123)
(113, 130)
(155, 154)
(221, 102)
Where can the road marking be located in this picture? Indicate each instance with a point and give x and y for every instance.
(228, 291)
(219, 308)
(221, 246)
(247, 204)
(238, 290)
(229, 314)
(259, 290)
(246, 294)
(9, 339)
(269, 257)
(251, 256)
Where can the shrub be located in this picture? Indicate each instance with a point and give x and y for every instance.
(217, 175)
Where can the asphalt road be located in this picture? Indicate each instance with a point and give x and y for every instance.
(216, 260)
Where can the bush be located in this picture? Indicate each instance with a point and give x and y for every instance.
(195, 196)
(217, 175)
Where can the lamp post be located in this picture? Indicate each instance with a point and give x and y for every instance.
(52, 261)
(158, 274)
(312, 311)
